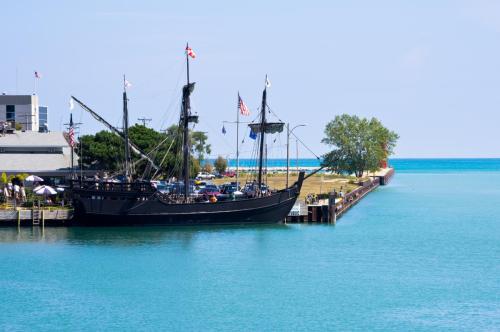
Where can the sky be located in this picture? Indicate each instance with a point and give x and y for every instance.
(429, 70)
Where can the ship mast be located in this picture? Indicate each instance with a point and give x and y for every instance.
(262, 132)
(186, 118)
(125, 132)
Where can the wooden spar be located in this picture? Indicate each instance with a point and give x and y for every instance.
(132, 146)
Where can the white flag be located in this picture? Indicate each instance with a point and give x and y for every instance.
(268, 83)
(127, 84)
(71, 104)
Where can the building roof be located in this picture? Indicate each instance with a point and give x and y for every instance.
(34, 139)
(18, 99)
(35, 160)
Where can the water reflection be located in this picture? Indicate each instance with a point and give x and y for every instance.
(123, 236)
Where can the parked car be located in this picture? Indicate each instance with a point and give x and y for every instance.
(209, 190)
(205, 176)
(230, 191)
(176, 188)
(230, 174)
(251, 189)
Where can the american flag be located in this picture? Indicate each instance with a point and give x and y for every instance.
(243, 108)
(71, 133)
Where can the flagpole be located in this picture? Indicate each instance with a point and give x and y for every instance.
(238, 143)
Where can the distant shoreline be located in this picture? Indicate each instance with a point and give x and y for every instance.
(398, 163)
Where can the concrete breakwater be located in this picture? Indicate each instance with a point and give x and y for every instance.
(331, 209)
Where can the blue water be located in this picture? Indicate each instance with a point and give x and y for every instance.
(422, 254)
(401, 164)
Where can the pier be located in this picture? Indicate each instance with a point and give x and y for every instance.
(331, 209)
(23, 216)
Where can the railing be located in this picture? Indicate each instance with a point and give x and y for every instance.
(113, 186)
(354, 196)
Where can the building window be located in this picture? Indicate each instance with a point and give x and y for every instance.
(42, 118)
(11, 113)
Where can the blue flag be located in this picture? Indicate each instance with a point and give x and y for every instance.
(223, 130)
(253, 135)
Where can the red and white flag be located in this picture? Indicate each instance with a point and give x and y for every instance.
(71, 135)
(243, 108)
(37, 74)
(190, 52)
(71, 132)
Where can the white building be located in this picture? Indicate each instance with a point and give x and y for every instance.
(20, 109)
(44, 154)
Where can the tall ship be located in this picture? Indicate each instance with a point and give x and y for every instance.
(100, 202)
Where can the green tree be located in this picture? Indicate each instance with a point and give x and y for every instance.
(208, 167)
(358, 144)
(195, 168)
(3, 178)
(220, 164)
(199, 144)
(103, 151)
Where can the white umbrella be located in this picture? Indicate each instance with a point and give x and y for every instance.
(44, 190)
(33, 178)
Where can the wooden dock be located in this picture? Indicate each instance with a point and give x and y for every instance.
(331, 209)
(35, 216)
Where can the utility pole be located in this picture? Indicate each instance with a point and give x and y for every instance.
(144, 120)
(297, 157)
(288, 132)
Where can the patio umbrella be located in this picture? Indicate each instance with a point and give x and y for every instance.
(33, 178)
(44, 190)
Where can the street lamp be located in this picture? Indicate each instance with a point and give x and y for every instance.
(288, 132)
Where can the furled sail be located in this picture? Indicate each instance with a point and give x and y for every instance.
(269, 127)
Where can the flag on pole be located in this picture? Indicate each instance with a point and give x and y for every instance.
(243, 108)
(190, 52)
(253, 135)
(71, 133)
(268, 82)
(223, 130)
(71, 104)
(37, 74)
(127, 84)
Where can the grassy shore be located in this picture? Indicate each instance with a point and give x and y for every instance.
(316, 184)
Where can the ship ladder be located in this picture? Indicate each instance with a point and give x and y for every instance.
(36, 217)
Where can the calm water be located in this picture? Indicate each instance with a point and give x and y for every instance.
(422, 254)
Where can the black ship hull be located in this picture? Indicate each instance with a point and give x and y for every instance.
(94, 207)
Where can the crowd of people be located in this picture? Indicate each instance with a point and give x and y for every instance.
(14, 190)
